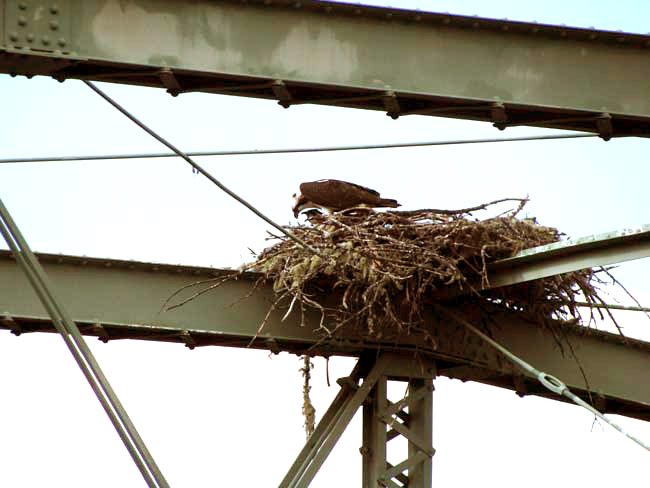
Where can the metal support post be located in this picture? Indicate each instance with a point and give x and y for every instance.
(420, 406)
(409, 417)
(373, 450)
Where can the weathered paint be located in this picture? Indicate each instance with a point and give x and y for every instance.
(321, 48)
(122, 299)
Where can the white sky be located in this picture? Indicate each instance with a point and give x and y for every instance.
(227, 417)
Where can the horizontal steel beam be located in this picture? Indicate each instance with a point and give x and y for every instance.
(397, 61)
(571, 255)
(122, 299)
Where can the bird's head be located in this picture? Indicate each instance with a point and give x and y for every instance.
(299, 202)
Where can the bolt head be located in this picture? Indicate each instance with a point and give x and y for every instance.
(61, 42)
(13, 36)
(45, 40)
(54, 9)
(54, 25)
(22, 6)
(22, 20)
(30, 37)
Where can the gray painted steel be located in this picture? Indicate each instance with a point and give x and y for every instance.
(571, 255)
(122, 299)
(398, 61)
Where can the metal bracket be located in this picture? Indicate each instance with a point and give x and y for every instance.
(7, 321)
(604, 124)
(38, 26)
(187, 339)
(391, 104)
(281, 92)
(168, 79)
(101, 332)
(499, 116)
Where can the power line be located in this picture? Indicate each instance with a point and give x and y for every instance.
(296, 150)
(199, 169)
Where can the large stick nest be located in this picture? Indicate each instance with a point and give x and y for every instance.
(377, 271)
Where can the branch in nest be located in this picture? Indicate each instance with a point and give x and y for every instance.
(460, 211)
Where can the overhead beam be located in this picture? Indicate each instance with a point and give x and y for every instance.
(397, 61)
(123, 299)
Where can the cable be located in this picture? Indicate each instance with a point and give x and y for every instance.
(199, 169)
(294, 150)
(613, 306)
(550, 382)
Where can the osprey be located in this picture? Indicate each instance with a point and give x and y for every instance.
(335, 195)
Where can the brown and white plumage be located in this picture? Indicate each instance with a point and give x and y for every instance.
(336, 195)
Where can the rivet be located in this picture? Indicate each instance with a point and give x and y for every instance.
(45, 40)
(476, 25)
(417, 18)
(54, 25)
(22, 6)
(54, 9)
(357, 11)
(22, 21)
(505, 27)
(593, 37)
(13, 36)
(446, 20)
(61, 42)
(563, 34)
(30, 37)
(328, 9)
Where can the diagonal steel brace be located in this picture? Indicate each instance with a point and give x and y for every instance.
(331, 427)
(79, 349)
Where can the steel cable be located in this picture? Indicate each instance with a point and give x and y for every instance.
(550, 382)
(296, 150)
(199, 169)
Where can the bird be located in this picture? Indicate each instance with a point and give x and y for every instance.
(336, 195)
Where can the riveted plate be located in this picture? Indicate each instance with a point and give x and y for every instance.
(39, 26)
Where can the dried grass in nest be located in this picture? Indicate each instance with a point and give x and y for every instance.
(378, 270)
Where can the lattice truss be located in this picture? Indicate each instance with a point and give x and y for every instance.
(383, 421)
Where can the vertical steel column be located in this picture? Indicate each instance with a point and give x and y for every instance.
(410, 417)
(373, 450)
(420, 407)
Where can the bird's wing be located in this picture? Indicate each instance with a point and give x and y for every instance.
(338, 194)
